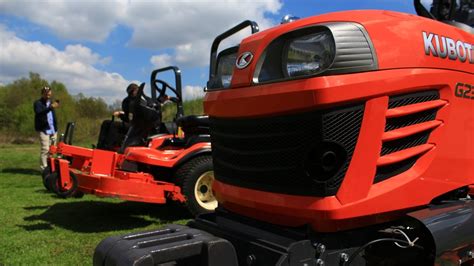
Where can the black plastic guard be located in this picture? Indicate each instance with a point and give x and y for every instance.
(175, 244)
(452, 227)
(258, 243)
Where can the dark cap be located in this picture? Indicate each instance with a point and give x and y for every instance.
(131, 87)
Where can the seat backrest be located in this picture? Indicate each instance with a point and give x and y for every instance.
(193, 120)
(193, 124)
(193, 139)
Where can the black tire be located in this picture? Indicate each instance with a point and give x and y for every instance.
(78, 194)
(63, 193)
(187, 176)
(46, 171)
(45, 176)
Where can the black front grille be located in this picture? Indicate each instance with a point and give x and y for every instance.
(283, 153)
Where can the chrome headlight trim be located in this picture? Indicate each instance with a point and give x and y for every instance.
(354, 49)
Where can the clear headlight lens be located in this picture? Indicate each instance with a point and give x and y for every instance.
(308, 54)
(225, 67)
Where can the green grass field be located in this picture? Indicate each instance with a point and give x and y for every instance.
(38, 228)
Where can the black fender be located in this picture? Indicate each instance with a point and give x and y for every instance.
(191, 155)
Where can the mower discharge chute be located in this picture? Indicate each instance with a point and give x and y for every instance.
(339, 139)
(154, 164)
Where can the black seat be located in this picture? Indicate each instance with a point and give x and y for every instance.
(193, 120)
(196, 129)
(194, 125)
(146, 121)
(111, 135)
(197, 139)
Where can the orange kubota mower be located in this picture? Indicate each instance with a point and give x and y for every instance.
(339, 139)
(153, 165)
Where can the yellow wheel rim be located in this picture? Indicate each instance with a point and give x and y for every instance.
(203, 191)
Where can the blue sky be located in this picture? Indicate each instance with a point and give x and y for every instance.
(99, 47)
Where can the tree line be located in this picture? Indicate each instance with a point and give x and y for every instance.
(17, 115)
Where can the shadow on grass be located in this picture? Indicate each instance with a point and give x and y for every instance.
(42, 191)
(39, 226)
(23, 171)
(32, 208)
(97, 216)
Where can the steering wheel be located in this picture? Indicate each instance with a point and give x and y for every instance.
(161, 88)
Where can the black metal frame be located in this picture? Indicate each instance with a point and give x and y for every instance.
(215, 44)
(437, 14)
(177, 90)
(68, 134)
(422, 11)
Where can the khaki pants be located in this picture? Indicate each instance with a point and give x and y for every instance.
(45, 141)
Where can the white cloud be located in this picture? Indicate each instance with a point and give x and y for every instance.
(192, 92)
(192, 26)
(161, 60)
(193, 54)
(170, 23)
(187, 55)
(74, 66)
(82, 54)
(75, 20)
(186, 26)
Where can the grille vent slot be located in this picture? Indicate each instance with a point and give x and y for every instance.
(410, 119)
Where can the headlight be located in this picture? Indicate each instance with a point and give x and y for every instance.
(225, 68)
(322, 49)
(309, 54)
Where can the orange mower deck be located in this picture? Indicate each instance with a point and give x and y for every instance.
(94, 175)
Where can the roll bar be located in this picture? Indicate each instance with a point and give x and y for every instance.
(177, 90)
(215, 44)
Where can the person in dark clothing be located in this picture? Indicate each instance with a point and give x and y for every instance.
(45, 123)
(139, 115)
(128, 103)
(146, 118)
(126, 114)
(112, 133)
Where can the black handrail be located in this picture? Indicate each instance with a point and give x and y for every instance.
(215, 44)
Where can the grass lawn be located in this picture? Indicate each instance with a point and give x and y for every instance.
(38, 228)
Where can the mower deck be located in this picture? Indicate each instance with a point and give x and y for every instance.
(127, 186)
(106, 174)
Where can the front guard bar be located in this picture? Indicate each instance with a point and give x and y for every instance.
(223, 238)
(451, 226)
(173, 243)
(211, 239)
